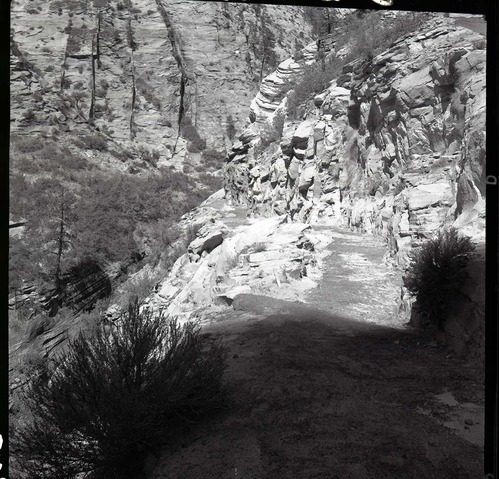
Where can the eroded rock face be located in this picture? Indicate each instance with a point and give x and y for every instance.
(133, 69)
(262, 256)
(395, 147)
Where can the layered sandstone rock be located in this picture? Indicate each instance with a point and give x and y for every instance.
(266, 256)
(132, 70)
(395, 147)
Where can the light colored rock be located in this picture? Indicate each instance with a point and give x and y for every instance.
(424, 196)
(209, 237)
(137, 98)
(264, 256)
(385, 134)
(302, 134)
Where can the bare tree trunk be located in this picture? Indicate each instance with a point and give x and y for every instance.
(60, 249)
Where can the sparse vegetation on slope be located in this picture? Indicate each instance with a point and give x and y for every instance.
(364, 34)
(115, 394)
(368, 32)
(74, 211)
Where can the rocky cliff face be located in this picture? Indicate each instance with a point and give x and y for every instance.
(395, 146)
(145, 74)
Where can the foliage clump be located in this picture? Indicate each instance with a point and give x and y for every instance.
(436, 270)
(115, 394)
(92, 142)
(371, 32)
(315, 80)
(366, 33)
(195, 144)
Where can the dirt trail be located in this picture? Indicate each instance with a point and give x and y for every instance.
(356, 283)
(337, 391)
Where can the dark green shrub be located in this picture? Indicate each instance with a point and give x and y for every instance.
(195, 144)
(213, 159)
(436, 270)
(92, 142)
(114, 395)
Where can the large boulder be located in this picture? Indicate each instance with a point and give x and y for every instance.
(209, 237)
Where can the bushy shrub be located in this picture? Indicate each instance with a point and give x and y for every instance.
(436, 270)
(115, 394)
(92, 142)
(259, 247)
(195, 144)
(150, 156)
(231, 128)
(211, 182)
(28, 144)
(140, 286)
(213, 158)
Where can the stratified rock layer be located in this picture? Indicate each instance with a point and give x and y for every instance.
(395, 146)
(134, 69)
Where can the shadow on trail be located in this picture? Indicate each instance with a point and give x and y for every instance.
(316, 395)
(277, 311)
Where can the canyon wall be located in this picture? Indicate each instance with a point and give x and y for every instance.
(395, 146)
(145, 74)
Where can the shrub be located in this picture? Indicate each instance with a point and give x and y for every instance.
(314, 80)
(259, 247)
(29, 115)
(213, 158)
(140, 286)
(19, 318)
(115, 394)
(231, 128)
(28, 144)
(195, 143)
(150, 156)
(38, 326)
(104, 84)
(436, 270)
(92, 142)
(65, 83)
(211, 182)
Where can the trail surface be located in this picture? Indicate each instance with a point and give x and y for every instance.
(335, 388)
(356, 283)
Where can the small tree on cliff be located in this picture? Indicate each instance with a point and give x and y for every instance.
(50, 215)
(115, 394)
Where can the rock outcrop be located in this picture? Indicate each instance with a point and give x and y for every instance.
(263, 256)
(144, 73)
(396, 146)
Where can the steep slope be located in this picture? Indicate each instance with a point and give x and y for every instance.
(394, 148)
(396, 145)
(143, 72)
